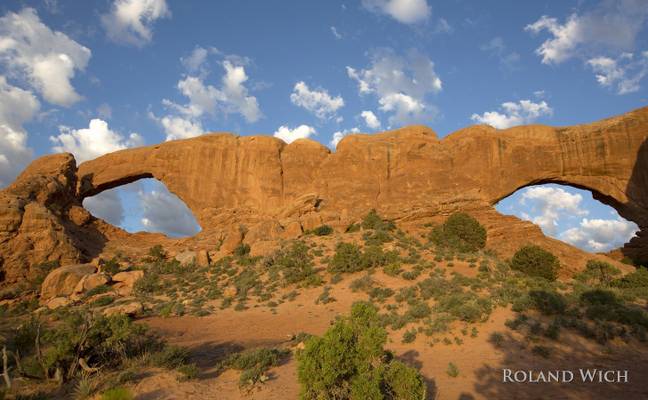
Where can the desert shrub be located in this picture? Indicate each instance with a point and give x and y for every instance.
(157, 253)
(349, 362)
(409, 336)
(460, 232)
(325, 297)
(293, 264)
(541, 351)
(603, 305)
(598, 273)
(323, 230)
(393, 269)
(380, 294)
(452, 370)
(347, 258)
(104, 342)
(243, 249)
(170, 357)
(633, 280)
(496, 339)
(548, 303)
(403, 382)
(374, 221)
(111, 266)
(103, 301)
(419, 310)
(254, 363)
(536, 261)
(148, 284)
(364, 284)
(374, 256)
(467, 307)
(118, 393)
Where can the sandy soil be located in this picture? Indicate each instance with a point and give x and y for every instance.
(480, 364)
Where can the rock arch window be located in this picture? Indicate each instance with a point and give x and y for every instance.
(144, 205)
(571, 215)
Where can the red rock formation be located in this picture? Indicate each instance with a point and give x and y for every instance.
(255, 188)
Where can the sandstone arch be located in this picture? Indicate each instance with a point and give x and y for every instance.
(275, 189)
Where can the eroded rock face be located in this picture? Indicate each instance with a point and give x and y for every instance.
(63, 281)
(258, 188)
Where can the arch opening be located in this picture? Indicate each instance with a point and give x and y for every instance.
(575, 215)
(144, 205)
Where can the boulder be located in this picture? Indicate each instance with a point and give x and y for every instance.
(128, 278)
(202, 258)
(90, 282)
(186, 257)
(63, 280)
(128, 308)
(57, 302)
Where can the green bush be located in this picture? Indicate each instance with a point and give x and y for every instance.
(294, 263)
(349, 362)
(347, 258)
(254, 363)
(548, 303)
(374, 221)
(157, 253)
(598, 273)
(118, 393)
(536, 261)
(323, 230)
(634, 280)
(242, 250)
(460, 232)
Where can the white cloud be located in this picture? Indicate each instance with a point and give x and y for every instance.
(623, 74)
(106, 205)
(613, 25)
(164, 212)
(339, 135)
(520, 113)
(497, 48)
(45, 58)
(600, 235)
(92, 142)
(17, 106)
(290, 135)
(318, 102)
(370, 119)
(131, 21)
(401, 85)
(177, 127)
(335, 33)
(232, 97)
(549, 204)
(404, 11)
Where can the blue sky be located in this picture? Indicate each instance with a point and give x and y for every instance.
(96, 76)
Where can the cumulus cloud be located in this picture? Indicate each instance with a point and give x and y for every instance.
(600, 235)
(106, 205)
(622, 74)
(318, 102)
(404, 11)
(46, 59)
(92, 142)
(131, 21)
(17, 106)
(231, 97)
(290, 135)
(370, 119)
(339, 135)
(164, 212)
(548, 204)
(520, 113)
(401, 85)
(612, 26)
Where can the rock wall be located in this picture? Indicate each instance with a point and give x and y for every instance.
(257, 187)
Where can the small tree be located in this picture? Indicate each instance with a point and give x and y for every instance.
(536, 261)
(460, 232)
(347, 258)
(349, 362)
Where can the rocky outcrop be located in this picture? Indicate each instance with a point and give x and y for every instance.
(63, 281)
(258, 188)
